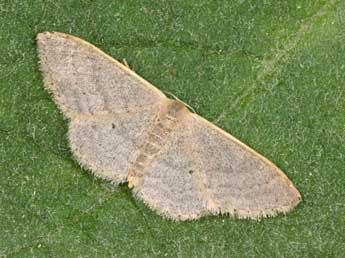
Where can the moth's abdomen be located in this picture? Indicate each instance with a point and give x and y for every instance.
(166, 123)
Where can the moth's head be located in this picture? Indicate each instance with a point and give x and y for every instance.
(176, 107)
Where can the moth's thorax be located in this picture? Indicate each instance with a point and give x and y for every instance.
(169, 117)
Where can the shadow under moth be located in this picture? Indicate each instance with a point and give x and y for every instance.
(123, 129)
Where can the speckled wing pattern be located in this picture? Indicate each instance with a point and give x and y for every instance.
(108, 105)
(125, 130)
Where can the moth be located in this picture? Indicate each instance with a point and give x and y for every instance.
(123, 129)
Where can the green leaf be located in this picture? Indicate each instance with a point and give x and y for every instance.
(272, 73)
